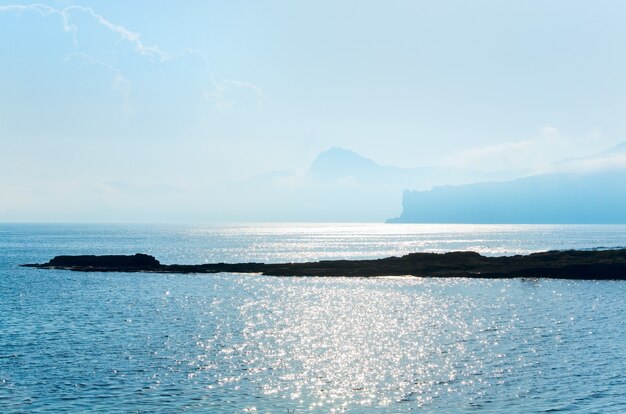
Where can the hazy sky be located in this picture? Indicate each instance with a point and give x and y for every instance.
(192, 92)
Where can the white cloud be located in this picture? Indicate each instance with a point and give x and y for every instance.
(591, 165)
(229, 92)
(534, 155)
(44, 10)
(120, 84)
(154, 53)
(539, 154)
(66, 16)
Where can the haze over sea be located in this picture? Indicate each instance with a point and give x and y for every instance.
(228, 343)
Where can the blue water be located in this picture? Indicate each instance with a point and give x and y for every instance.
(96, 342)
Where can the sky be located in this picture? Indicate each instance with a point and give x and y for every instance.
(194, 93)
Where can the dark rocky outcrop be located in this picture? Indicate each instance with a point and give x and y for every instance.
(569, 264)
(136, 262)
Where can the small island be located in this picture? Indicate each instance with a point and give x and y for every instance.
(567, 264)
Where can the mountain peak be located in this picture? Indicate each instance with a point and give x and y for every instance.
(340, 153)
(336, 163)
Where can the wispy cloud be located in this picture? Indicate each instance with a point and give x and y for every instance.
(151, 52)
(548, 151)
(65, 14)
(221, 96)
(120, 83)
(613, 158)
(537, 154)
(534, 155)
(591, 165)
(44, 10)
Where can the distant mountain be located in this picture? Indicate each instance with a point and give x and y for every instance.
(598, 197)
(339, 185)
(338, 164)
(612, 158)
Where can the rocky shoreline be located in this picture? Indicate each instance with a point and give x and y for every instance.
(568, 264)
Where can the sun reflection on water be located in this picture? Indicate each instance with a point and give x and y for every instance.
(228, 343)
(343, 343)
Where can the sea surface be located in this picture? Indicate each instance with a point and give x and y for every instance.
(232, 343)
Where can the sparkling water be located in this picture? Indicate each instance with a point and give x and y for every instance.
(128, 342)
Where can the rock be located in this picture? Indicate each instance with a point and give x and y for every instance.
(569, 264)
(138, 261)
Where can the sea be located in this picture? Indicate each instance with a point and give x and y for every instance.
(246, 343)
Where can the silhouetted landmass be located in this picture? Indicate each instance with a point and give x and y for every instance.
(570, 264)
(110, 262)
(558, 198)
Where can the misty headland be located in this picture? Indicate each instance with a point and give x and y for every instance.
(340, 185)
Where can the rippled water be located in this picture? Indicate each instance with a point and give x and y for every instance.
(243, 343)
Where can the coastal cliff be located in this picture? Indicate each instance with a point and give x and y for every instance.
(557, 198)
